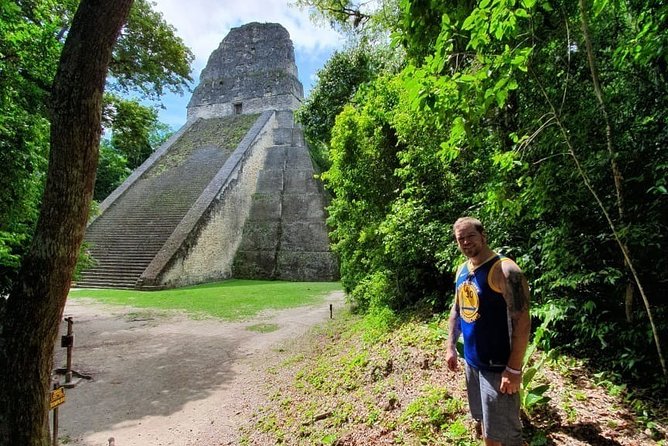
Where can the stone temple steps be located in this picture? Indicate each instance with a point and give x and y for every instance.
(232, 194)
(125, 239)
(282, 235)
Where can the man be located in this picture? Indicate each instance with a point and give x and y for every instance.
(491, 310)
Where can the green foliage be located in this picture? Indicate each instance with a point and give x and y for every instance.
(362, 180)
(470, 127)
(337, 82)
(84, 261)
(434, 412)
(135, 129)
(379, 322)
(112, 170)
(357, 19)
(148, 58)
(28, 57)
(419, 36)
(130, 131)
(648, 44)
(533, 395)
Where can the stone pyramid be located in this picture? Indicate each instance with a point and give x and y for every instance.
(232, 194)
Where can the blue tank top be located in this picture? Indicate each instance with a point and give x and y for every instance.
(483, 317)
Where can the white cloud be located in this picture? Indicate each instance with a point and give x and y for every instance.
(202, 24)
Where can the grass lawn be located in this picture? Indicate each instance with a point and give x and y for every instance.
(231, 299)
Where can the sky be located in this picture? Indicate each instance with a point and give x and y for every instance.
(202, 24)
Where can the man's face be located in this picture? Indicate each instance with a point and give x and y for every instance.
(469, 240)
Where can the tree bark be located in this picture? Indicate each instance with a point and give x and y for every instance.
(34, 309)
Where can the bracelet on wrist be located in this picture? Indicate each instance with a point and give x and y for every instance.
(513, 371)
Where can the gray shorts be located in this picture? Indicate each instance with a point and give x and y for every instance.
(498, 412)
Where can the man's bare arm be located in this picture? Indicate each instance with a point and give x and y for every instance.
(516, 293)
(454, 331)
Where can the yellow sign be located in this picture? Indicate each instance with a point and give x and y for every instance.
(57, 397)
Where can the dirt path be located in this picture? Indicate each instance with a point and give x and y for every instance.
(168, 380)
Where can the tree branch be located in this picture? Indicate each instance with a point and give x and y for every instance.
(611, 224)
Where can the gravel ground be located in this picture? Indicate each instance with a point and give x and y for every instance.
(165, 379)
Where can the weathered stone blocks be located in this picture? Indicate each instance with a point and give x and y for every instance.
(248, 209)
(252, 70)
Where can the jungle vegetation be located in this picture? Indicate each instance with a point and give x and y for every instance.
(54, 62)
(544, 119)
(148, 60)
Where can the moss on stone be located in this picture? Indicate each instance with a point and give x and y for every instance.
(224, 133)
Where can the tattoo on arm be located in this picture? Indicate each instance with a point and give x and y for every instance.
(453, 322)
(517, 294)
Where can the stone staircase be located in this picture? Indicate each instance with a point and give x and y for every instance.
(125, 238)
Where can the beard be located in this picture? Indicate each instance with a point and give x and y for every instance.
(471, 251)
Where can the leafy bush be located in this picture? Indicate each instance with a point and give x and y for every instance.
(488, 120)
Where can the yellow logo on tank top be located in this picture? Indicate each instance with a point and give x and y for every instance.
(469, 303)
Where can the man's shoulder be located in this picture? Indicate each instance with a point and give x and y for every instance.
(508, 265)
(503, 268)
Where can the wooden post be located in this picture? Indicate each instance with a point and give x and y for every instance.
(70, 346)
(55, 418)
(55, 427)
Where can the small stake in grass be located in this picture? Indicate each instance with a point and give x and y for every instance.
(330, 312)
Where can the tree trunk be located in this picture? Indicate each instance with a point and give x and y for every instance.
(616, 173)
(35, 306)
